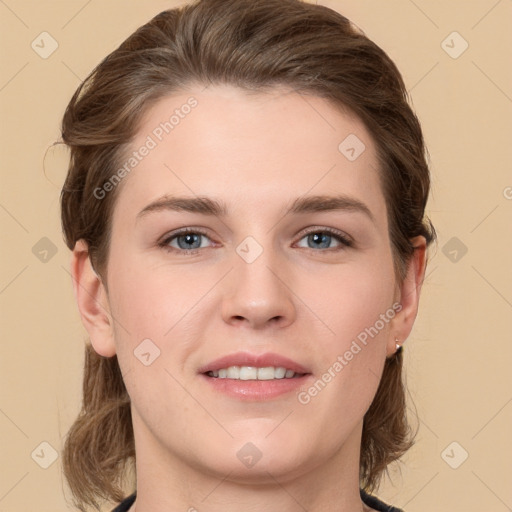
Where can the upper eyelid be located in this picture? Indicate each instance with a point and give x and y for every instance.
(183, 231)
(320, 229)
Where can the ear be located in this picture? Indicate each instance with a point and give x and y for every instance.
(408, 296)
(92, 300)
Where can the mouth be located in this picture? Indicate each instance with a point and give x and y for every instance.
(254, 373)
(246, 376)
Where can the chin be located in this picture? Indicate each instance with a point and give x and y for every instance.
(261, 459)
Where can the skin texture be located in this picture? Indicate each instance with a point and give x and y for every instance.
(256, 153)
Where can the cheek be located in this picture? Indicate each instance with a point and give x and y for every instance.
(152, 309)
(355, 298)
(357, 308)
(149, 301)
(165, 305)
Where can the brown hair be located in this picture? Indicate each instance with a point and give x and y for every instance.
(254, 45)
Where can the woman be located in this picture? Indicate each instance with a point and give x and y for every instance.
(245, 205)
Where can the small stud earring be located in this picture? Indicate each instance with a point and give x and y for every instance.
(398, 347)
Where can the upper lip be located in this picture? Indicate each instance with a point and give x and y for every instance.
(259, 360)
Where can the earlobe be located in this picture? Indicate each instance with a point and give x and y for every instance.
(409, 298)
(92, 301)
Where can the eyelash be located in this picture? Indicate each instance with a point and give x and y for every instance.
(344, 240)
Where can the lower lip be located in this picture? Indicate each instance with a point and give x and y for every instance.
(256, 390)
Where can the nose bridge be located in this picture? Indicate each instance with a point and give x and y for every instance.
(257, 290)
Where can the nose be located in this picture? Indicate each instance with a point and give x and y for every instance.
(258, 294)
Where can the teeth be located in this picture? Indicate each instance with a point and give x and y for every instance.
(280, 372)
(248, 373)
(266, 373)
(253, 373)
(233, 372)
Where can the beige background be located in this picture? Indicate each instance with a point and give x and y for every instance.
(458, 357)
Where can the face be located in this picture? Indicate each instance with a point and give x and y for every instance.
(276, 256)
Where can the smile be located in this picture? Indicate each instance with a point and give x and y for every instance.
(254, 373)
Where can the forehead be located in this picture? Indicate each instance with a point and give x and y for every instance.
(258, 149)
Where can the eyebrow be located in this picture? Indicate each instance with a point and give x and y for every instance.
(207, 206)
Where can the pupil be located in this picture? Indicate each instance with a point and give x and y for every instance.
(189, 240)
(318, 238)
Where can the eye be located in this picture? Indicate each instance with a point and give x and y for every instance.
(190, 241)
(321, 238)
(186, 241)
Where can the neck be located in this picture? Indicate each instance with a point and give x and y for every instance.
(167, 482)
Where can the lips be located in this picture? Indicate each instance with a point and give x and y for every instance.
(246, 359)
(261, 386)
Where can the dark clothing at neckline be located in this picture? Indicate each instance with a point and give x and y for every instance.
(369, 500)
